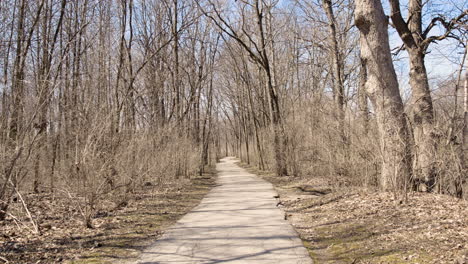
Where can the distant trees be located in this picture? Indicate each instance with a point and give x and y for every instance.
(95, 105)
(257, 42)
(20, 132)
(98, 98)
(315, 62)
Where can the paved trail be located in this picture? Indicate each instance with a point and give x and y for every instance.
(237, 222)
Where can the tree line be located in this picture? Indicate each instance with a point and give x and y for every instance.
(314, 90)
(99, 98)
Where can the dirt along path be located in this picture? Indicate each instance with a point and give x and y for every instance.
(237, 222)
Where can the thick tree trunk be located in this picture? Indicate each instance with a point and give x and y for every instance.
(382, 89)
(423, 124)
(422, 112)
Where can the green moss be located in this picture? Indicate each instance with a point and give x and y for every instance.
(313, 254)
(349, 243)
(91, 260)
(403, 258)
(343, 242)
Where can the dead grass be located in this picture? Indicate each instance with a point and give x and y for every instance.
(362, 226)
(119, 235)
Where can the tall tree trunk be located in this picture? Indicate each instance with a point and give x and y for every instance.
(423, 124)
(261, 162)
(362, 97)
(277, 122)
(337, 66)
(18, 75)
(278, 130)
(206, 134)
(382, 89)
(422, 109)
(130, 94)
(175, 70)
(464, 157)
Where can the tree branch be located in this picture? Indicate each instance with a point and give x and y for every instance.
(449, 27)
(400, 25)
(230, 32)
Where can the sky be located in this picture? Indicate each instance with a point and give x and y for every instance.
(444, 58)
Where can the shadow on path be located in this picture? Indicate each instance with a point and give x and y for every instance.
(237, 222)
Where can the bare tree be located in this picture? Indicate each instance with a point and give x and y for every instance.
(416, 42)
(382, 89)
(465, 125)
(260, 55)
(338, 83)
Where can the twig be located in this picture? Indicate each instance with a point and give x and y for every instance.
(36, 228)
(15, 220)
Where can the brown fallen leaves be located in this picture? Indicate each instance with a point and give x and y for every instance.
(359, 226)
(118, 234)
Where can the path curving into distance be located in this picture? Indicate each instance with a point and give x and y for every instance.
(237, 222)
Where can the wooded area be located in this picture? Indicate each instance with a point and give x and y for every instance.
(102, 98)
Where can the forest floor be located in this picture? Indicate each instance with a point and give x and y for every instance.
(362, 226)
(118, 236)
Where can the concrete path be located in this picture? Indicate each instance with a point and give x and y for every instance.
(237, 222)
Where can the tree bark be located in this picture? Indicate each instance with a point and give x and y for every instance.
(277, 122)
(362, 97)
(382, 89)
(338, 86)
(175, 71)
(423, 124)
(17, 82)
(422, 109)
(464, 157)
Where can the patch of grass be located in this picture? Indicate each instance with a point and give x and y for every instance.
(336, 241)
(127, 234)
(400, 258)
(348, 243)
